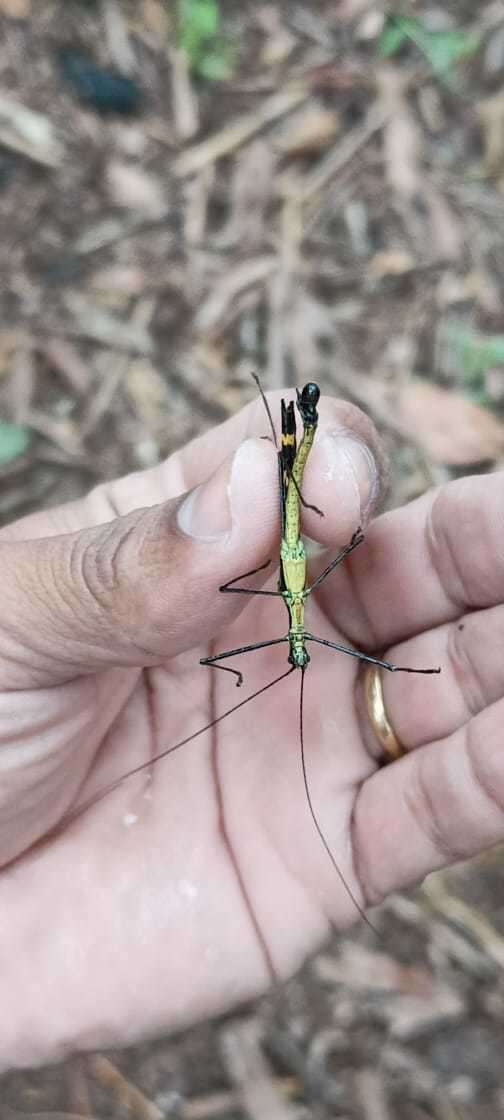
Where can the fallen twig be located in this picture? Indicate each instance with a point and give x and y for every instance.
(236, 133)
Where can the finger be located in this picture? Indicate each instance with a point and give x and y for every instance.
(344, 476)
(135, 590)
(423, 565)
(438, 805)
(424, 708)
(142, 587)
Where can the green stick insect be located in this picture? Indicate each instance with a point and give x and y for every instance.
(292, 580)
(292, 588)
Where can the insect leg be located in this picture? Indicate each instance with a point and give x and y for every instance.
(357, 539)
(247, 590)
(305, 505)
(211, 661)
(367, 657)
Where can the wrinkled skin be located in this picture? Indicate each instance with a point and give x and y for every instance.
(175, 896)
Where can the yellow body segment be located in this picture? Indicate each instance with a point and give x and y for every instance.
(293, 555)
(292, 514)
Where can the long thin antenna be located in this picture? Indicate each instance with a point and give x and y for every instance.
(267, 407)
(74, 813)
(314, 817)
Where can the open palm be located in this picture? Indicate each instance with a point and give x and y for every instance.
(181, 892)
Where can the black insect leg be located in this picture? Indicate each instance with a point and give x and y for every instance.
(357, 539)
(247, 590)
(367, 657)
(211, 661)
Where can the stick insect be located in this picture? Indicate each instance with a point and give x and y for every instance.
(292, 588)
(292, 579)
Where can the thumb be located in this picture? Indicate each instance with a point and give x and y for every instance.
(140, 588)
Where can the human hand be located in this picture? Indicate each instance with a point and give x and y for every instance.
(164, 902)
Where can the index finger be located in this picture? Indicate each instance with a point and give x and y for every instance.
(424, 564)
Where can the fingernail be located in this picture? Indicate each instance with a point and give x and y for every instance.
(350, 461)
(205, 513)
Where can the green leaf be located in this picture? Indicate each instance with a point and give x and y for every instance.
(392, 38)
(442, 49)
(217, 64)
(14, 441)
(476, 353)
(208, 55)
(198, 23)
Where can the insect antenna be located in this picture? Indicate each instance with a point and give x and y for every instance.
(267, 407)
(314, 817)
(104, 792)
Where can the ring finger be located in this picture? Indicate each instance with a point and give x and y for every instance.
(421, 709)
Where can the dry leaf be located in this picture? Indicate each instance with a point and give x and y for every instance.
(250, 1073)
(129, 1098)
(310, 130)
(63, 357)
(134, 189)
(413, 1016)
(10, 340)
(238, 131)
(155, 18)
(148, 392)
(92, 322)
(16, 9)
(447, 232)
(184, 100)
(401, 137)
(28, 132)
(117, 37)
(390, 262)
(279, 41)
(491, 112)
(370, 26)
(218, 304)
(450, 429)
(251, 191)
(431, 108)
(363, 970)
(116, 284)
(348, 10)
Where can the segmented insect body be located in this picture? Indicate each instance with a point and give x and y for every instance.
(292, 582)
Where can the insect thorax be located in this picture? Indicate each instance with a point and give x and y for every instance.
(298, 654)
(293, 566)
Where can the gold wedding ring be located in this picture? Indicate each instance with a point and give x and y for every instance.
(373, 691)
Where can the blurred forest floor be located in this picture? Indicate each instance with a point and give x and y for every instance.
(313, 191)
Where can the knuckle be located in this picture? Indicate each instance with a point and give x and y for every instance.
(125, 571)
(110, 568)
(432, 817)
(446, 558)
(486, 777)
